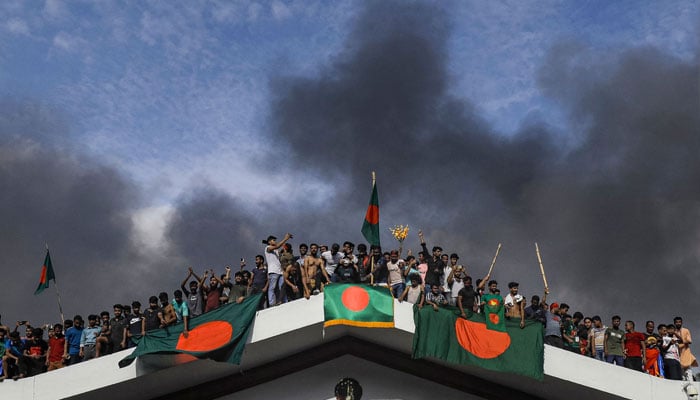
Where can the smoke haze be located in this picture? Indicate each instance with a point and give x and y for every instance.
(613, 199)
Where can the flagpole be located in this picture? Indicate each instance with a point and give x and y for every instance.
(371, 269)
(58, 295)
(371, 276)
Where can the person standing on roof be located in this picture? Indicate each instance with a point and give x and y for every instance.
(275, 274)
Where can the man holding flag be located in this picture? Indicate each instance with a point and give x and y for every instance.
(370, 226)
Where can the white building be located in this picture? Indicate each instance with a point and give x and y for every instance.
(289, 355)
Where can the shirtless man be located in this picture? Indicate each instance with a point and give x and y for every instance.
(313, 271)
(294, 282)
(515, 306)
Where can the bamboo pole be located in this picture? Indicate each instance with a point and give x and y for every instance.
(494, 259)
(539, 259)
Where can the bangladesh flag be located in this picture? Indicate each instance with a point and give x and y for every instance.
(370, 227)
(447, 336)
(219, 335)
(495, 312)
(47, 274)
(358, 305)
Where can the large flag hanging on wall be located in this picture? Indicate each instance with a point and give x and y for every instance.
(358, 305)
(219, 335)
(507, 348)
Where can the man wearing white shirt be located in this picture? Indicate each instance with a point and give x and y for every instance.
(331, 258)
(275, 275)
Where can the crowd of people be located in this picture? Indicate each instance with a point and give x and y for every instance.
(434, 279)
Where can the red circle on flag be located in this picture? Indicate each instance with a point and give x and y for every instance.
(494, 318)
(206, 337)
(372, 215)
(480, 341)
(355, 298)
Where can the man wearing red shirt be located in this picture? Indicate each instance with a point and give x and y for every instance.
(56, 345)
(635, 347)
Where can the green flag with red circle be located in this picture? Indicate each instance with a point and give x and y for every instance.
(219, 335)
(480, 340)
(370, 226)
(495, 312)
(47, 274)
(358, 305)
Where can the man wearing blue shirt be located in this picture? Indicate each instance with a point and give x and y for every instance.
(182, 311)
(88, 338)
(72, 347)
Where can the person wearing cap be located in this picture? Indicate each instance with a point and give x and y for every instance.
(346, 272)
(275, 274)
(552, 329)
(651, 356)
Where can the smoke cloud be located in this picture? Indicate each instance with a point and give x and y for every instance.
(612, 202)
(53, 194)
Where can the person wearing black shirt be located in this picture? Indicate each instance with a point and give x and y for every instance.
(436, 267)
(535, 310)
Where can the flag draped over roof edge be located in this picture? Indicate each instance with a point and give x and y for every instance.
(47, 274)
(370, 226)
(358, 305)
(220, 335)
(447, 336)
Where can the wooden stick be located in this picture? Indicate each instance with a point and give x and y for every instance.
(539, 258)
(494, 259)
(374, 178)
